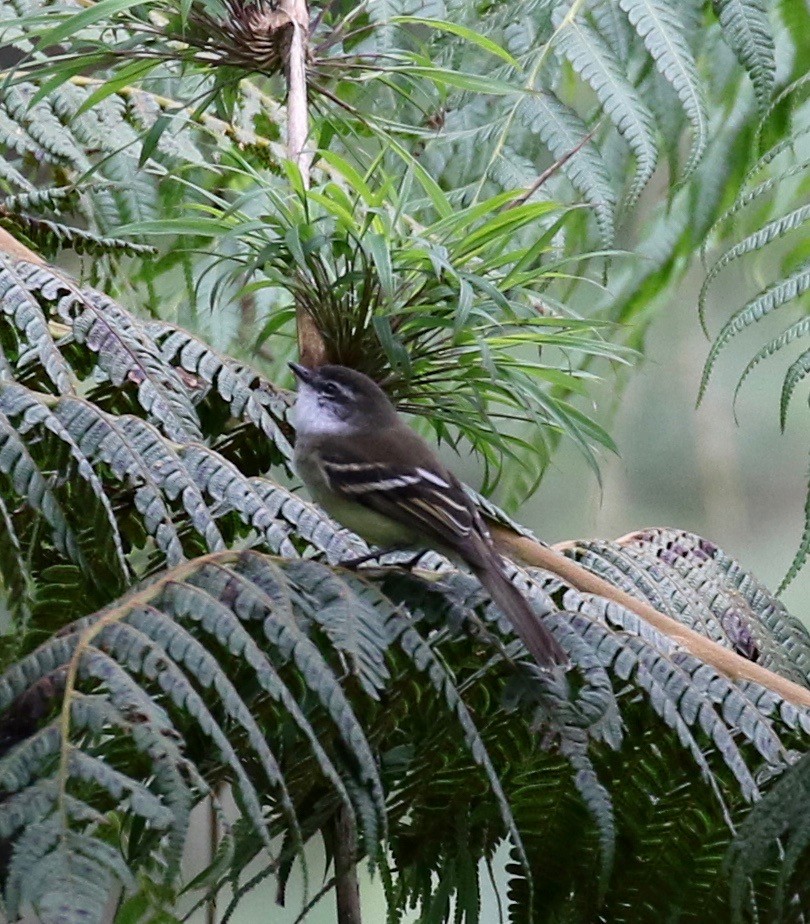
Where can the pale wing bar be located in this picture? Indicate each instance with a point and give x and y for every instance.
(417, 493)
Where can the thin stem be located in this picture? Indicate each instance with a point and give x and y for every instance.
(311, 348)
(347, 888)
(551, 170)
(297, 113)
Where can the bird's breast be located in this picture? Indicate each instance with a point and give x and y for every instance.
(375, 528)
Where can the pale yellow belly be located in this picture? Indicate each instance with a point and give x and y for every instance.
(375, 528)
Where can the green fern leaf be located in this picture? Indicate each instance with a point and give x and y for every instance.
(52, 199)
(797, 371)
(135, 452)
(703, 563)
(747, 29)
(599, 803)
(645, 577)
(15, 576)
(425, 660)
(200, 663)
(194, 603)
(25, 314)
(562, 131)
(775, 296)
(51, 142)
(348, 611)
(18, 402)
(248, 396)
(260, 584)
(141, 653)
(613, 26)
(309, 522)
(745, 198)
(9, 173)
(51, 870)
(29, 482)
(50, 237)
(769, 232)
(669, 676)
(125, 353)
(229, 489)
(776, 827)
(661, 29)
(597, 64)
(796, 331)
(803, 551)
(138, 799)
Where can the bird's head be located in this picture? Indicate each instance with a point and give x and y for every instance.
(336, 399)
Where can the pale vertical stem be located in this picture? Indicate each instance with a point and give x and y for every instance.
(297, 111)
(311, 348)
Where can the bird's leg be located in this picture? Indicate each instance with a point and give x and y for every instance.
(353, 563)
(412, 562)
(408, 565)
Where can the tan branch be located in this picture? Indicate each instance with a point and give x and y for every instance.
(10, 245)
(726, 662)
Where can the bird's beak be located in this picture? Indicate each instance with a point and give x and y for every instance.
(301, 372)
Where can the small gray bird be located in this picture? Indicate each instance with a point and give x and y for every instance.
(373, 474)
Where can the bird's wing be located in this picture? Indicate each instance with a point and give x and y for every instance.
(421, 494)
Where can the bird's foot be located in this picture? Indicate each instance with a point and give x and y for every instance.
(409, 564)
(352, 564)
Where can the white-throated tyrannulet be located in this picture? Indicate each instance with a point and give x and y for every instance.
(373, 474)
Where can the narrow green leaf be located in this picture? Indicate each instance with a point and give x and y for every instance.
(469, 35)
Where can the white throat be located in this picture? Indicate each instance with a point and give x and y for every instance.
(313, 418)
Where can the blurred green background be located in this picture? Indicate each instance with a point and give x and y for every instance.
(743, 486)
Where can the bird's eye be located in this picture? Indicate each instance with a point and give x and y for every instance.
(329, 390)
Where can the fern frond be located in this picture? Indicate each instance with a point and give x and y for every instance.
(39, 199)
(753, 242)
(702, 563)
(776, 828)
(800, 329)
(33, 414)
(802, 552)
(748, 196)
(16, 582)
(597, 64)
(662, 31)
(796, 372)
(67, 878)
(561, 130)
(50, 237)
(27, 317)
(125, 353)
(774, 296)
(747, 28)
(665, 676)
(249, 397)
(26, 480)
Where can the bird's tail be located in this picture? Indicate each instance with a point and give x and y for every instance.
(542, 645)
